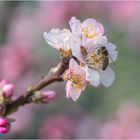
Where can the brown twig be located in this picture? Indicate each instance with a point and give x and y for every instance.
(53, 76)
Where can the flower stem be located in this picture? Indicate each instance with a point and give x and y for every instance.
(53, 76)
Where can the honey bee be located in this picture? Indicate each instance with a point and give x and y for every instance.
(103, 52)
(99, 59)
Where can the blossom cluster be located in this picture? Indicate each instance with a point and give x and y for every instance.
(90, 55)
(6, 92)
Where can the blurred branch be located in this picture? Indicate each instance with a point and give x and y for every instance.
(53, 76)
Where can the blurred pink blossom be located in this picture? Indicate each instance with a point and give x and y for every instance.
(14, 61)
(22, 118)
(22, 29)
(123, 12)
(54, 14)
(126, 124)
(57, 127)
(49, 14)
(88, 128)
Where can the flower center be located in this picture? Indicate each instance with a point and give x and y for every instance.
(76, 79)
(64, 53)
(89, 32)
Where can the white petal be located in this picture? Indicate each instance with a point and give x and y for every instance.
(98, 26)
(58, 38)
(113, 53)
(75, 93)
(93, 77)
(101, 41)
(74, 65)
(75, 25)
(52, 39)
(107, 77)
(75, 46)
(68, 89)
(89, 21)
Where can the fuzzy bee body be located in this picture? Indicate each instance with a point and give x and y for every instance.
(104, 57)
(99, 60)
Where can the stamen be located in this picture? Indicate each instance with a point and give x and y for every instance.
(89, 32)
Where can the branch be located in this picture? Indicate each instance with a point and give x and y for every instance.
(53, 76)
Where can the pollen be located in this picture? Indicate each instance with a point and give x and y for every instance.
(89, 32)
(94, 61)
(76, 79)
(64, 53)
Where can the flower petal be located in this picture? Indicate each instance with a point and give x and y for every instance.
(75, 93)
(73, 65)
(76, 47)
(75, 25)
(107, 77)
(58, 38)
(68, 89)
(93, 77)
(98, 26)
(71, 92)
(101, 41)
(113, 53)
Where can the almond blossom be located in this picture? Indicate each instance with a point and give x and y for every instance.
(92, 41)
(63, 41)
(98, 69)
(76, 80)
(87, 43)
(88, 31)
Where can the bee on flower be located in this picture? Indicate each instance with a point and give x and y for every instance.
(87, 44)
(97, 52)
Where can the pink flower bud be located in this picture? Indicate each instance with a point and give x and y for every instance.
(48, 96)
(4, 130)
(8, 90)
(4, 122)
(3, 83)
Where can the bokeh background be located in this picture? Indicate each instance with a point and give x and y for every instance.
(112, 112)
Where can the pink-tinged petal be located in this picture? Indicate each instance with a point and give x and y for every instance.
(113, 53)
(75, 25)
(48, 96)
(107, 77)
(75, 93)
(68, 89)
(89, 21)
(73, 65)
(93, 77)
(75, 68)
(98, 26)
